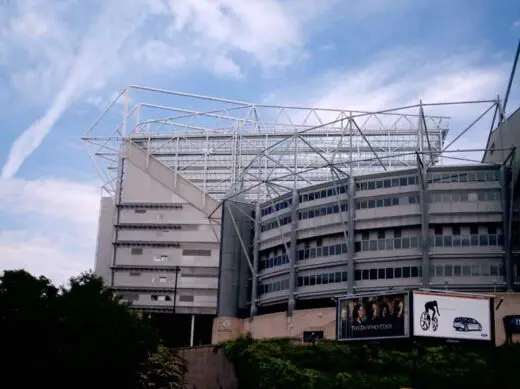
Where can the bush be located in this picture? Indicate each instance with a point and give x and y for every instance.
(281, 364)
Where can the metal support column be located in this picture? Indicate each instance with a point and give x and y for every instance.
(422, 171)
(506, 215)
(177, 270)
(192, 330)
(294, 252)
(350, 226)
(254, 271)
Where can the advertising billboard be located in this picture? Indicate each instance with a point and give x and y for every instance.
(451, 316)
(373, 317)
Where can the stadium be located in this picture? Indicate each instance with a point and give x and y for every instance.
(225, 217)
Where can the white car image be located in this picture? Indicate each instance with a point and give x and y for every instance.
(466, 324)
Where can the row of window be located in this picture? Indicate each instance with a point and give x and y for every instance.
(323, 251)
(142, 209)
(277, 207)
(405, 242)
(387, 183)
(275, 286)
(388, 273)
(490, 195)
(322, 279)
(163, 258)
(466, 270)
(278, 222)
(266, 263)
(323, 193)
(482, 240)
(323, 211)
(490, 176)
(386, 202)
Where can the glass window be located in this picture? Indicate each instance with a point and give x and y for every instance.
(466, 270)
(415, 271)
(373, 245)
(373, 274)
(357, 275)
(366, 274)
(406, 272)
(448, 270)
(439, 271)
(389, 272)
(389, 244)
(406, 243)
(398, 272)
(381, 274)
(457, 270)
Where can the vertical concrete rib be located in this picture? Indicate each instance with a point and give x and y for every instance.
(117, 205)
(256, 254)
(422, 172)
(293, 254)
(350, 226)
(505, 192)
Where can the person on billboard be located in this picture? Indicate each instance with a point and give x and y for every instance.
(358, 314)
(432, 306)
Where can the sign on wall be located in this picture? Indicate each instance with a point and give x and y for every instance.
(451, 316)
(373, 317)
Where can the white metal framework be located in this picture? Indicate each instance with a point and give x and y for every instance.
(229, 147)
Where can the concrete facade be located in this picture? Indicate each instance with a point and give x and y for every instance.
(159, 239)
(440, 228)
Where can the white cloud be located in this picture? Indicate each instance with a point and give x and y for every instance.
(401, 78)
(58, 221)
(97, 49)
(190, 33)
(516, 23)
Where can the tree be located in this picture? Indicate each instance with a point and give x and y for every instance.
(163, 370)
(79, 336)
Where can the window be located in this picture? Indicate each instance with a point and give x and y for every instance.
(196, 253)
(438, 230)
(136, 251)
(397, 233)
(140, 210)
(492, 230)
(186, 298)
(381, 234)
(473, 230)
(134, 274)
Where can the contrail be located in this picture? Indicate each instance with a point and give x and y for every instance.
(99, 46)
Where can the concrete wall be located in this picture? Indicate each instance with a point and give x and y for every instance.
(158, 223)
(279, 325)
(208, 369)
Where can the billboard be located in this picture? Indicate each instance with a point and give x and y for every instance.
(451, 316)
(373, 316)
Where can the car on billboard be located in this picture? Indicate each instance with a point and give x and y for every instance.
(466, 324)
(451, 315)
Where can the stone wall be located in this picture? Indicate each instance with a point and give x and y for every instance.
(208, 368)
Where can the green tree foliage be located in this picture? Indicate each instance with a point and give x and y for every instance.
(280, 364)
(73, 337)
(163, 370)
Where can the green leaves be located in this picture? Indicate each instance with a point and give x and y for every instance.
(280, 364)
(78, 336)
(163, 370)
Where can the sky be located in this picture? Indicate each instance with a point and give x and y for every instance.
(62, 61)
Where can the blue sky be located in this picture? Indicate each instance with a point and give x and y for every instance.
(61, 61)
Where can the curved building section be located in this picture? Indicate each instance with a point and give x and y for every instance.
(439, 228)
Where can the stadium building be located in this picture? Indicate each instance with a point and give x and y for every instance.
(266, 212)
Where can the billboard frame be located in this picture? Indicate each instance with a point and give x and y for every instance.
(437, 340)
(386, 339)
